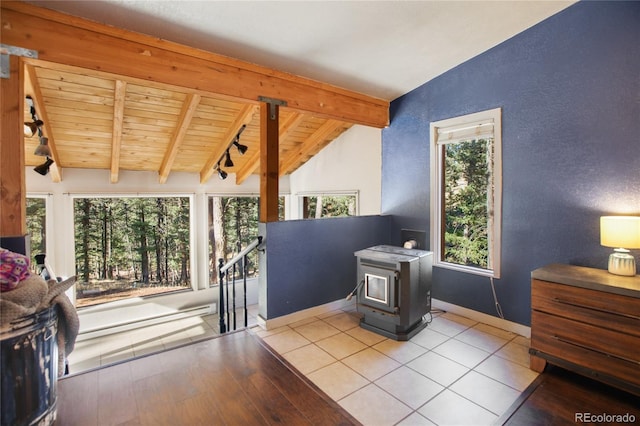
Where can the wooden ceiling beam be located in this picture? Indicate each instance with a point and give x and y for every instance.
(308, 148)
(244, 117)
(186, 115)
(290, 124)
(33, 89)
(119, 95)
(75, 41)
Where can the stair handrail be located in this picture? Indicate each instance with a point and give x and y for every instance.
(242, 254)
(223, 272)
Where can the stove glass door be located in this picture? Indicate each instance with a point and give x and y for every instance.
(376, 288)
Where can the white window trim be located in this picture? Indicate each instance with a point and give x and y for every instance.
(468, 122)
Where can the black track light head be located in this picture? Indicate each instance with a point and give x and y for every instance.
(228, 162)
(241, 148)
(43, 168)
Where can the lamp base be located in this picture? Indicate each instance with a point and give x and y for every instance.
(622, 263)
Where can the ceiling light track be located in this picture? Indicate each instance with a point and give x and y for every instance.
(31, 128)
(228, 162)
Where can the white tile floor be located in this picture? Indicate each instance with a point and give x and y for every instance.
(455, 372)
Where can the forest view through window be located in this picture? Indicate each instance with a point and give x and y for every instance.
(131, 247)
(233, 225)
(466, 165)
(36, 227)
(318, 206)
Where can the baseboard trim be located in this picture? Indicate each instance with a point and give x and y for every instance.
(500, 323)
(315, 311)
(142, 322)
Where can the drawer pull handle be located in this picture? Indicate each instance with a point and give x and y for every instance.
(593, 308)
(583, 346)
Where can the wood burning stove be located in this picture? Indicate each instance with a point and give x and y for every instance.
(394, 290)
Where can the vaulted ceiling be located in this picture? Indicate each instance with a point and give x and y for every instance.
(94, 120)
(382, 49)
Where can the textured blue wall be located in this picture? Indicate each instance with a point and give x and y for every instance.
(569, 89)
(311, 262)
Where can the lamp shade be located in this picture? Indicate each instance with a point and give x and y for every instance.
(620, 231)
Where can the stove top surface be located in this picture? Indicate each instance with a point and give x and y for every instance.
(392, 251)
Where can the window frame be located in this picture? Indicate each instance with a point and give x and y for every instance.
(302, 195)
(436, 160)
(73, 197)
(48, 218)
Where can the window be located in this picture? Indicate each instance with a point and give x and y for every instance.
(37, 227)
(466, 172)
(329, 205)
(131, 247)
(233, 225)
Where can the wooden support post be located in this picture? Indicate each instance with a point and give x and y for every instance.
(269, 162)
(13, 222)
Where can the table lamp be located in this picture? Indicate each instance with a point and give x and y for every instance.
(622, 233)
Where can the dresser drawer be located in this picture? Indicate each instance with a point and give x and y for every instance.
(611, 311)
(603, 351)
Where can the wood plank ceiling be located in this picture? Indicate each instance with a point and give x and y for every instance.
(97, 120)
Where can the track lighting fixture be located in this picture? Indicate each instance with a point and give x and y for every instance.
(222, 174)
(32, 127)
(241, 148)
(228, 162)
(43, 149)
(43, 168)
(236, 141)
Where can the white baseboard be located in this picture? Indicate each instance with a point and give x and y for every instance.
(500, 323)
(142, 322)
(315, 311)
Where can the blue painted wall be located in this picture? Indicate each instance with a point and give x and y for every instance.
(569, 89)
(311, 262)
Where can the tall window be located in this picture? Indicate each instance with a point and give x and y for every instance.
(233, 224)
(131, 247)
(466, 171)
(37, 226)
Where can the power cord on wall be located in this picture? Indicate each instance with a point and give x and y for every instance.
(495, 299)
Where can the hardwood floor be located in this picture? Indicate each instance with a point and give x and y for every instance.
(559, 397)
(229, 380)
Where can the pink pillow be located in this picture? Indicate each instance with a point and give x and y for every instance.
(14, 267)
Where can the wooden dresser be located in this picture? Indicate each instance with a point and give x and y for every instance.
(587, 320)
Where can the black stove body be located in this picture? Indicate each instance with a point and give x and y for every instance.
(394, 290)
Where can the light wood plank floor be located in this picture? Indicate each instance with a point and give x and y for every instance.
(228, 380)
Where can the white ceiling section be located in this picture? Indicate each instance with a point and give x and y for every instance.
(380, 48)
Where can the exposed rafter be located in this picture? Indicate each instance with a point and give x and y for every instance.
(290, 124)
(307, 149)
(119, 96)
(244, 117)
(32, 88)
(188, 109)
